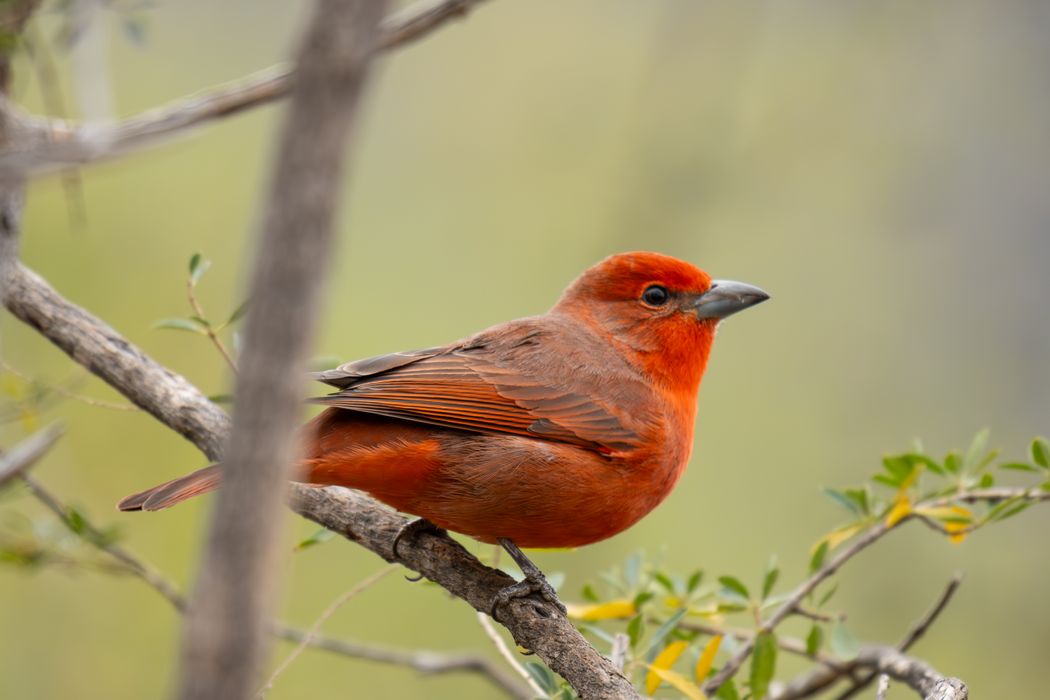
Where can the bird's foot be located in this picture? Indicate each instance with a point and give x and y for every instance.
(534, 583)
(411, 530)
(531, 585)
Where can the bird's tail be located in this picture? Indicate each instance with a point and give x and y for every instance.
(175, 491)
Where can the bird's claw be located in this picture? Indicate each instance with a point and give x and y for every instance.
(531, 585)
(412, 529)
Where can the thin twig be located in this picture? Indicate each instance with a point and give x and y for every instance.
(209, 331)
(55, 389)
(61, 144)
(311, 633)
(507, 654)
(25, 454)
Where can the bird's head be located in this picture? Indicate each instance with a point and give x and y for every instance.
(661, 310)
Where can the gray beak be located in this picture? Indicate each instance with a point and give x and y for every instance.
(725, 298)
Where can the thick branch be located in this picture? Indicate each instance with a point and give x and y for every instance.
(166, 395)
(59, 144)
(225, 640)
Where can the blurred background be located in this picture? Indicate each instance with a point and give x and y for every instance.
(879, 166)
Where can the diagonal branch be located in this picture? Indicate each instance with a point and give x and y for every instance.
(60, 144)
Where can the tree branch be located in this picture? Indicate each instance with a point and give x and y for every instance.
(914, 634)
(60, 144)
(915, 673)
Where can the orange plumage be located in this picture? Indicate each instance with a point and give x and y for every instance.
(551, 431)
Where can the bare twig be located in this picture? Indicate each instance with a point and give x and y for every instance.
(62, 144)
(311, 633)
(25, 454)
(225, 638)
(56, 389)
(914, 634)
(507, 654)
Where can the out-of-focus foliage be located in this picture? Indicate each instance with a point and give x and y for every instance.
(879, 167)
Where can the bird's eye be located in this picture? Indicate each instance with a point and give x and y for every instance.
(655, 295)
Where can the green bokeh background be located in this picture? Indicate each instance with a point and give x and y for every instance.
(879, 166)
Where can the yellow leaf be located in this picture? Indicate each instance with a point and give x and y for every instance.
(680, 683)
(837, 536)
(900, 510)
(663, 661)
(707, 658)
(957, 531)
(611, 610)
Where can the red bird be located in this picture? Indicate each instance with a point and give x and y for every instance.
(552, 431)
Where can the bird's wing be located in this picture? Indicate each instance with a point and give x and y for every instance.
(468, 388)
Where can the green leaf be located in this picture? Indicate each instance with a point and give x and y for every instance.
(827, 596)
(77, 522)
(181, 324)
(1007, 509)
(221, 398)
(843, 500)
(589, 594)
(770, 579)
(1018, 467)
(1040, 450)
(977, 448)
(763, 664)
(843, 643)
(817, 560)
(694, 581)
(728, 691)
(632, 569)
(322, 535)
(657, 642)
(732, 585)
(987, 481)
(665, 581)
(814, 640)
(642, 598)
(635, 630)
(543, 676)
(198, 266)
(237, 315)
(952, 462)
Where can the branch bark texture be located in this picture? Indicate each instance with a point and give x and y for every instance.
(226, 640)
